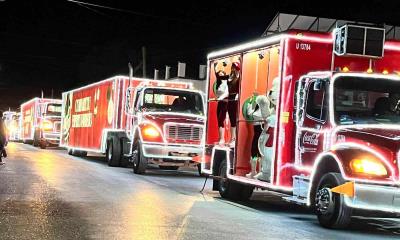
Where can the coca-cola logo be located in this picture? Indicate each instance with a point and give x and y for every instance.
(311, 138)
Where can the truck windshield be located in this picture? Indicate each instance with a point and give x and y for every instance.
(168, 100)
(53, 109)
(360, 100)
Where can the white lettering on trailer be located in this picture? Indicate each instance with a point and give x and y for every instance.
(82, 120)
(82, 104)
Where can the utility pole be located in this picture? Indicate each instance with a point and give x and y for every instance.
(144, 61)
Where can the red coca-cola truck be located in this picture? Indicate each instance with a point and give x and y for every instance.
(133, 119)
(330, 137)
(41, 122)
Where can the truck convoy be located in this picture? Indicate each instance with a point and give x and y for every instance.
(135, 120)
(329, 132)
(41, 122)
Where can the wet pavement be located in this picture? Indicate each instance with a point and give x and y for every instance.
(47, 194)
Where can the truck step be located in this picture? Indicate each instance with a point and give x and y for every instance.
(294, 199)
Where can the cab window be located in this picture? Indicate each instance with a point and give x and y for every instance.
(317, 101)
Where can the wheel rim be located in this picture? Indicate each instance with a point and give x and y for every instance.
(325, 202)
(135, 158)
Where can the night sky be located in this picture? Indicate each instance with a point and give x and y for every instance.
(60, 45)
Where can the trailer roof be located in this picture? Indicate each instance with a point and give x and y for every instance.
(283, 22)
(38, 98)
(125, 77)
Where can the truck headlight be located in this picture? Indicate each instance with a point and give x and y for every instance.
(151, 133)
(47, 125)
(368, 165)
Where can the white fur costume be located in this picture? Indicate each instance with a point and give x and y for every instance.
(267, 112)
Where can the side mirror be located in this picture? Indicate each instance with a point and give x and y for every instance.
(318, 85)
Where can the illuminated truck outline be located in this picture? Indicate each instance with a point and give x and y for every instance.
(115, 134)
(297, 62)
(12, 121)
(36, 126)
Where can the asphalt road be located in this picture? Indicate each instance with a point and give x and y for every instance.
(47, 194)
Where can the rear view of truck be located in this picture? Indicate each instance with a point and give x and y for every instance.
(41, 122)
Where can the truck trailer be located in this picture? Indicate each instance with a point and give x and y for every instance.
(329, 138)
(135, 120)
(41, 122)
(12, 121)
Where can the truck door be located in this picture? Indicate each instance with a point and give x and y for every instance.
(312, 96)
(132, 106)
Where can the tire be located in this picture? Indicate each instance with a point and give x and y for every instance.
(230, 189)
(113, 153)
(70, 151)
(169, 167)
(139, 161)
(330, 208)
(82, 153)
(75, 152)
(35, 142)
(124, 162)
(42, 145)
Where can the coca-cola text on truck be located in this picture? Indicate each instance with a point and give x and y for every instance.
(327, 135)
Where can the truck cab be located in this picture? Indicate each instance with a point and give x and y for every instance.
(330, 139)
(167, 128)
(348, 131)
(47, 132)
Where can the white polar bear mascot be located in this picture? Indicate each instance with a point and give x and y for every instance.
(265, 142)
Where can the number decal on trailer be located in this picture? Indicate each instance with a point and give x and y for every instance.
(303, 46)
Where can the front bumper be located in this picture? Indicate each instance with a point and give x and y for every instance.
(52, 138)
(175, 152)
(375, 198)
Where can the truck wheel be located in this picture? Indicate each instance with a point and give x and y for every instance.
(139, 161)
(330, 208)
(230, 189)
(82, 153)
(42, 145)
(124, 162)
(113, 152)
(70, 151)
(35, 142)
(169, 167)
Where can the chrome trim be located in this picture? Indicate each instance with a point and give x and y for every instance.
(375, 198)
(179, 131)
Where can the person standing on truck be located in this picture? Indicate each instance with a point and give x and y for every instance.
(228, 100)
(3, 139)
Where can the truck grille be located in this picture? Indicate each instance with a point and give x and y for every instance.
(57, 126)
(184, 132)
(398, 162)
